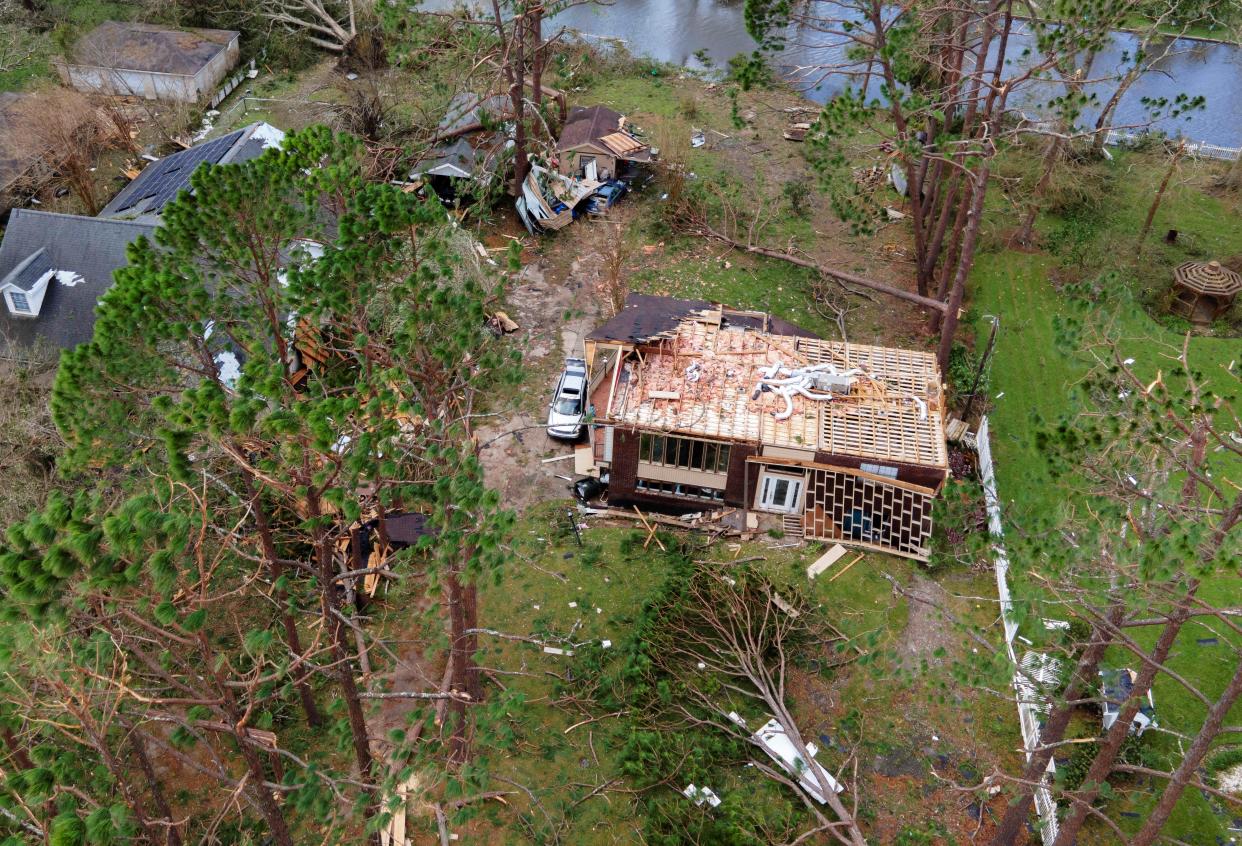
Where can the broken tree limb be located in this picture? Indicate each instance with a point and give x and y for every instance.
(839, 275)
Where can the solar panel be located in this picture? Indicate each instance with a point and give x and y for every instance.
(162, 180)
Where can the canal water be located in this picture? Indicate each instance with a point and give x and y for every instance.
(678, 31)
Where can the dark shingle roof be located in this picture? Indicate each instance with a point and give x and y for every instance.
(466, 109)
(88, 247)
(143, 47)
(646, 317)
(31, 270)
(587, 124)
(161, 181)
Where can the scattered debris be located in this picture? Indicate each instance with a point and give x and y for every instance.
(841, 572)
(773, 740)
(556, 650)
(955, 430)
(701, 795)
(797, 131)
(780, 603)
(503, 322)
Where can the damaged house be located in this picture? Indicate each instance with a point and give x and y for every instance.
(597, 145)
(698, 406)
(471, 146)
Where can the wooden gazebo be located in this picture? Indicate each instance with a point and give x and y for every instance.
(1203, 292)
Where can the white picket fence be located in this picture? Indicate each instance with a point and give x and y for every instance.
(1026, 696)
(1194, 148)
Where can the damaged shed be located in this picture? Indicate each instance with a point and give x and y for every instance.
(698, 405)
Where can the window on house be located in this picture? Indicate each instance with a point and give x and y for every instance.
(19, 301)
(684, 453)
(879, 470)
(673, 489)
(779, 492)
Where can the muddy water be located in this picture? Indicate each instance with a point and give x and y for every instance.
(678, 31)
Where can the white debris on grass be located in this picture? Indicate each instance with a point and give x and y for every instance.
(773, 740)
(701, 796)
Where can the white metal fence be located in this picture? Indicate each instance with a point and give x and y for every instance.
(1025, 695)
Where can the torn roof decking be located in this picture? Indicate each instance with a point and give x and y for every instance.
(882, 417)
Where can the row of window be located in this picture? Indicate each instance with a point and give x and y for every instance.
(684, 453)
(673, 489)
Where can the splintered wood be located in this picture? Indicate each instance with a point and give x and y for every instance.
(702, 379)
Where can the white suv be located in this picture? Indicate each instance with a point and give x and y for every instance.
(568, 408)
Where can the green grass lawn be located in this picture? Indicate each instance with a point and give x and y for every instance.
(1032, 376)
(593, 593)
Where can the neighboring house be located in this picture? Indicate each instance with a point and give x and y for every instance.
(55, 267)
(155, 62)
(698, 406)
(53, 270)
(161, 181)
(470, 145)
(595, 145)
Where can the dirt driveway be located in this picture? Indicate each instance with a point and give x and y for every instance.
(556, 303)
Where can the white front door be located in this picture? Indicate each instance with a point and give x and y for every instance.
(590, 169)
(780, 492)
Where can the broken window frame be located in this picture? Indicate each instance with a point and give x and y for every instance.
(655, 487)
(692, 454)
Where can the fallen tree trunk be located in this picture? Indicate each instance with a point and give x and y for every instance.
(839, 275)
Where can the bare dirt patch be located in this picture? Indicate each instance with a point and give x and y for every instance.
(927, 630)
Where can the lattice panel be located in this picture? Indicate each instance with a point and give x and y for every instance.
(842, 506)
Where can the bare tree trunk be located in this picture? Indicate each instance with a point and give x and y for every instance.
(970, 239)
(293, 640)
(1011, 825)
(1105, 759)
(1051, 157)
(137, 743)
(1155, 203)
(1190, 762)
(464, 676)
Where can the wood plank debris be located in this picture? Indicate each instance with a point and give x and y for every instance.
(651, 531)
(841, 572)
(780, 603)
(825, 561)
(565, 457)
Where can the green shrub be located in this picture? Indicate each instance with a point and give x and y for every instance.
(1225, 759)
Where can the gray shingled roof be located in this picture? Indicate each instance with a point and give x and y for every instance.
(31, 270)
(161, 181)
(146, 47)
(89, 247)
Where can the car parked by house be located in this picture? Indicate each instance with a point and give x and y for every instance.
(567, 410)
(1116, 686)
(606, 196)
